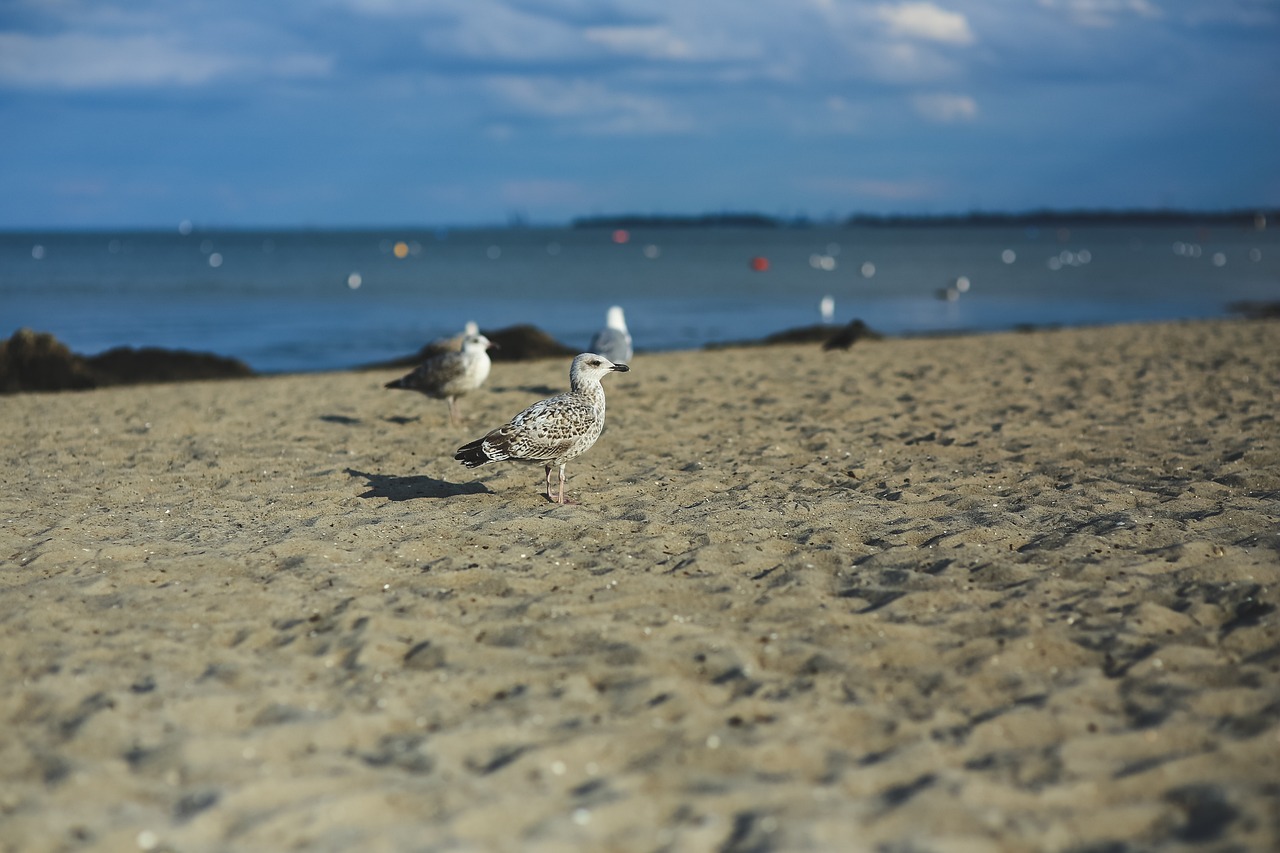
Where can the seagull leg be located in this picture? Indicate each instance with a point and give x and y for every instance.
(549, 497)
(453, 412)
(562, 497)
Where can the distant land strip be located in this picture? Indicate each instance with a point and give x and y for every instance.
(1257, 218)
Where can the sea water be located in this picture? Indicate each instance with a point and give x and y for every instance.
(301, 300)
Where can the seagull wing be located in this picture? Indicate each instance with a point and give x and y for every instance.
(435, 374)
(544, 431)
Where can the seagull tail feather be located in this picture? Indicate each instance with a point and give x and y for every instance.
(473, 454)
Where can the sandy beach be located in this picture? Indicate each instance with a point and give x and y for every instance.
(1010, 592)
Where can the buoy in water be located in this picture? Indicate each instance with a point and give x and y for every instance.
(759, 263)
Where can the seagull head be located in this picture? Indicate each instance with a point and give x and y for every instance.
(589, 366)
(477, 343)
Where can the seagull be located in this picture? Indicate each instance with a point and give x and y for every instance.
(453, 343)
(449, 375)
(613, 341)
(554, 430)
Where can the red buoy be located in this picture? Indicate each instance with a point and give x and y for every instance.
(759, 263)
(622, 235)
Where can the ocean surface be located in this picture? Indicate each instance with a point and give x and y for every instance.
(301, 300)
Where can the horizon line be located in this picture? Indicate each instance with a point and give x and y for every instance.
(1257, 215)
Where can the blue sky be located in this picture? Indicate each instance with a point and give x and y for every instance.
(459, 112)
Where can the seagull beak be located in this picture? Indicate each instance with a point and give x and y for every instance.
(621, 368)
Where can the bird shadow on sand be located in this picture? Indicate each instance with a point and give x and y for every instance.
(410, 488)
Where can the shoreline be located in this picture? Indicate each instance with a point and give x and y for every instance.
(1010, 591)
(51, 366)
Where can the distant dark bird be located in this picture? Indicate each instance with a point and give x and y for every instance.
(554, 430)
(451, 374)
(613, 341)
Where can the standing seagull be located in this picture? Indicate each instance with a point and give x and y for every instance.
(453, 343)
(613, 341)
(554, 430)
(449, 375)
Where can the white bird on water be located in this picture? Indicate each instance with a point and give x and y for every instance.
(554, 430)
(613, 341)
(449, 375)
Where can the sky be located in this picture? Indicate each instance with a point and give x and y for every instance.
(334, 113)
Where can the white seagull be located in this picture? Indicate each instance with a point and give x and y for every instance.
(453, 343)
(449, 375)
(554, 430)
(613, 341)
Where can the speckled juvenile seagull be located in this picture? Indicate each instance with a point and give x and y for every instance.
(554, 430)
(613, 341)
(451, 374)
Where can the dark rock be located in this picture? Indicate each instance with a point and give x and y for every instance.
(514, 343)
(799, 335)
(1256, 309)
(829, 336)
(851, 334)
(525, 343)
(127, 366)
(37, 361)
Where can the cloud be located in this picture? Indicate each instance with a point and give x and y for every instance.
(591, 106)
(497, 34)
(83, 61)
(648, 42)
(904, 62)
(75, 60)
(878, 189)
(899, 44)
(1102, 14)
(488, 36)
(842, 115)
(529, 90)
(925, 22)
(946, 108)
(543, 193)
(1238, 13)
